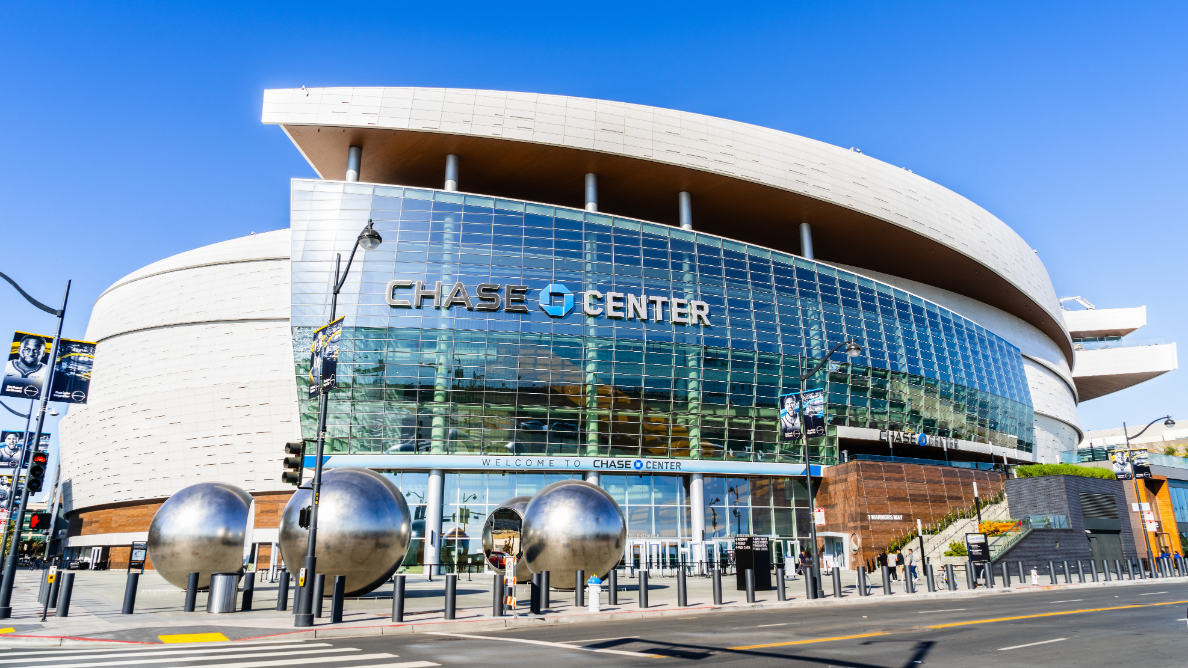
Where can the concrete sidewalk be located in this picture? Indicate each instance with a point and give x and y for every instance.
(98, 597)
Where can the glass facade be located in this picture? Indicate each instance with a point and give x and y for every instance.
(457, 381)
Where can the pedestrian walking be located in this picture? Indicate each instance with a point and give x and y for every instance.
(910, 561)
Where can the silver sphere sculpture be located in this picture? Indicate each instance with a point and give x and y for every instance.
(502, 537)
(571, 525)
(200, 529)
(364, 529)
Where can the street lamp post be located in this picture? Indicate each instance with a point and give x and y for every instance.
(852, 350)
(46, 388)
(369, 239)
(1169, 423)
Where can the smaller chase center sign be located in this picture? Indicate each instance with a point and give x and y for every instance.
(556, 300)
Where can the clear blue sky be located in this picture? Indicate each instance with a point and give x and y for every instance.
(132, 132)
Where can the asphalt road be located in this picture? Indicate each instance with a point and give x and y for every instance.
(1112, 626)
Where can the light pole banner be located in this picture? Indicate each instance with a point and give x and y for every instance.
(28, 363)
(72, 375)
(6, 490)
(10, 447)
(802, 410)
(323, 358)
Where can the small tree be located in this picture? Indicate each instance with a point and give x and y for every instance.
(1171, 451)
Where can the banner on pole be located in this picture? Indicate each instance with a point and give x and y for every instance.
(323, 358)
(802, 410)
(28, 365)
(10, 447)
(72, 373)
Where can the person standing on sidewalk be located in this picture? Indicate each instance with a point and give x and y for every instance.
(893, 564)
(910, 560)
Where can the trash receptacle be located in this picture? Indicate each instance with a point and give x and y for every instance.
(223, 588)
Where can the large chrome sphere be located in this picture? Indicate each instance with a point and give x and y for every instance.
(502, 536)
(364, 529)
(199, 529)
(569, 525)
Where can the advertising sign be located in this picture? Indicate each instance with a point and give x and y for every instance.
(753, 552)
(1140, 464)
(72, 374)
(10, 448)
(979, 549)
(1129, 464)
(6, 488)
(323, 359)
(28, 363)
(139, 554)
(802, 410)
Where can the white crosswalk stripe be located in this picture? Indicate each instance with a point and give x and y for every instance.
(207, 655)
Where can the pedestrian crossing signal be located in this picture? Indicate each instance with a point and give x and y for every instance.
(39, 522)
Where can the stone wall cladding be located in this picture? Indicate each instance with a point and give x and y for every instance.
(1060, 495)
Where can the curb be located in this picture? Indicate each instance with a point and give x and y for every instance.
(490, 624)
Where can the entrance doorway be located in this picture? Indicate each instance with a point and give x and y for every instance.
(1105, 545)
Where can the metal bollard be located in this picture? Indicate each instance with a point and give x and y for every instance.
(64, 597)
(1105, 570)
(1067, 574)
(750, 578)
(780, 594)
(1052, 572)
(950, 577)
(282, 592)
(545, 590)
(451, 594)
(969, 575)
(1093, 566)
(643, 589)
(810, 587)
(192, 592)
(398, 598)
(336, 599)
(1080, 572)
(249, 591)
(319, 593)
(1130, 567)
(837, 588)
(717, 587)
(579, 588)
(1006, 575)
(1022, 575)
(497, 596)
(682, 591)
(988, 574)
(1118, 567)
(53, 591)
(534, 595)
(886, 580)
(130, 593)
(612, 595)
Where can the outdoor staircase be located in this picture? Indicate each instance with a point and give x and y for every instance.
(935, 545)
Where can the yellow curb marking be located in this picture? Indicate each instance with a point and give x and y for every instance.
(1052, 614)
(805, 642)
(194, 637)
(8, 630)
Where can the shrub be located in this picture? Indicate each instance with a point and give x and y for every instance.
(1171, 451)
(1038, 470)
(993, 528)
(956, 549)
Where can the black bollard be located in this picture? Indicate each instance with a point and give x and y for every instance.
(337, 597)
(282, 592)
(192, 592)
(969, 575)
(1067, 573)
(682, 592)
(837, 587)
(249, 591)
(497, 594)
(534, 595)
(886, 580)
(749, 575)
(717, 587)
(130, 593)
(1130, 567)
(398, 598)
(1118, 568)
(451, 595)
(53, 590)
(1006, 575)
(1105, 570)
(643, 588)
(64, 597)
(781, 595)
(909, 585)
(951, 577)
(1052, 572)
(1093, 567)
(612, 594)
(810, 583)
(319, 595)
(1080, 572)
(1022, 575)
(579, 589)
(545, 590)
(861, 583)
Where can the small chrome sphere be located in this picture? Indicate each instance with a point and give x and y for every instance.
(502, 533)
(571, 525)
(200, 529)
(364, 529)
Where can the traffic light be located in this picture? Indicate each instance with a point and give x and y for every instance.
(294, 463)
(36, 475)
(39, 522)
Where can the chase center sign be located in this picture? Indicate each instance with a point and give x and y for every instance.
(555, 299)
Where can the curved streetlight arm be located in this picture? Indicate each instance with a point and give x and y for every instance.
(43, 307)
(350, 259)
(1165, 417)
(10, 410)
(822, 362)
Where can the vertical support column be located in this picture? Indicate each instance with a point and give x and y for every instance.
(354, 159)
(591, 192)
(685, 201)
(433, 519)
(591, 477)
(451, 175)
(806, 241)
(697, 507)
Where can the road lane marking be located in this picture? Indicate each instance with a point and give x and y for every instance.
(567, 642)
(763, 626)
(544, 643)
(281, 662)
(230, 647)
(805, 642)
(1071, 600)
(925, 612)
(1051, 614)
(1031, 644)
(1152, 593)
(261, 651)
